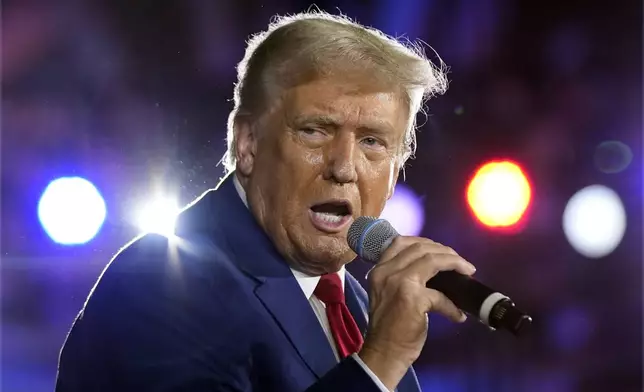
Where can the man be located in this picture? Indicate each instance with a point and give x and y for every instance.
(252, 294)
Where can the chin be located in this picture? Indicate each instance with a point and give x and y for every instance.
(326, 254)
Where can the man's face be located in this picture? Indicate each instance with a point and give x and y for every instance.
(326, 153)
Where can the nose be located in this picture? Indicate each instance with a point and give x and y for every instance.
(340, 159)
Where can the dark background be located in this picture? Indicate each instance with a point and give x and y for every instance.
(135, 94)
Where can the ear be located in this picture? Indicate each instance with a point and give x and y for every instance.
(245, 146)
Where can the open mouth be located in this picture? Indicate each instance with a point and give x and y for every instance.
(331, 215)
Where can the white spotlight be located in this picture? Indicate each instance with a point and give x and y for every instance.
(594, 221)
(71, 210)
(158, 216)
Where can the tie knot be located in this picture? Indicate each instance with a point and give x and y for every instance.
(329, 289)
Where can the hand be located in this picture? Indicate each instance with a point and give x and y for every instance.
(399, 302)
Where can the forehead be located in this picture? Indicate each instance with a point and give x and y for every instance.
(354, 103)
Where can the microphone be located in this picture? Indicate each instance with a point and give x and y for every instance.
(369, 237)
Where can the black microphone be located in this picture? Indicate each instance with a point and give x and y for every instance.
(369, 237)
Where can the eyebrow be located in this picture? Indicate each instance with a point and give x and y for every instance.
(374, 126)
(320, 119)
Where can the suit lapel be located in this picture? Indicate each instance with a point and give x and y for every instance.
(284, 299)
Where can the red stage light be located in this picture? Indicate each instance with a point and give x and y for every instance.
(499, 194)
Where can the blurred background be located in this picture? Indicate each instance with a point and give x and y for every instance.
(114, 114)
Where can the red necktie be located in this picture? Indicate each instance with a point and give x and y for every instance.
(346, 333)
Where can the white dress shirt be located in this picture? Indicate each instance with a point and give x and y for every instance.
(308, 284)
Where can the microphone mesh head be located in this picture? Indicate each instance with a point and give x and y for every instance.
(369, 237)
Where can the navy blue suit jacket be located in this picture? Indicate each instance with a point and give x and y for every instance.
(217, 309)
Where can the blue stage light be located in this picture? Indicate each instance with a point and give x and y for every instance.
(71, 210)
(405, 211)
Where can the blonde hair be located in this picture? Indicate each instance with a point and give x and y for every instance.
(298, 48)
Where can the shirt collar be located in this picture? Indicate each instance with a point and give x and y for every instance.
(240, 190)
(307, 283)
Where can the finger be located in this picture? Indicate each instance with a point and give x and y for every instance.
(437, 302)
(424, 268)
(400, 244)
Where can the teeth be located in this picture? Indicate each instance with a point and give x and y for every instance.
(327, 217)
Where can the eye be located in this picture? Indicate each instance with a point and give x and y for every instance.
(311, 132)
(312, 137)
(372, 142)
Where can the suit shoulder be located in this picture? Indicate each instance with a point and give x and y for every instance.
(153, 270)
(152, 253)
(161, 305)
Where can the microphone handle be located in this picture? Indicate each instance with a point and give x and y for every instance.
(492, 308)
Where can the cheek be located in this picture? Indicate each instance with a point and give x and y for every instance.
(313, 157)
(292, 170)
(376, 187)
